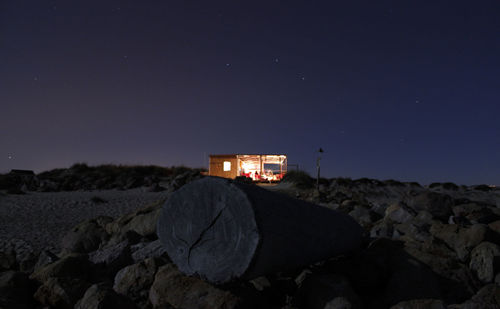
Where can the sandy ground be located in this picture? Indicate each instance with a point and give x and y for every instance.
(42, 219)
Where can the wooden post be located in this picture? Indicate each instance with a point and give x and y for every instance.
(222, 230)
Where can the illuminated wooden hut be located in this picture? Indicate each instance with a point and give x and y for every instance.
(261, 167)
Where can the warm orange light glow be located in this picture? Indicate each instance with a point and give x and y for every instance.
(262, 167)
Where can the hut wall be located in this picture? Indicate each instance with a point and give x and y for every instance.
(216, 167)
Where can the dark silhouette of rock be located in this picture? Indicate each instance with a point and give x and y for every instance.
(102, 296)
(112, 257)
(61, 292)
(485, 261)
(134, 281)
(72, 265)
(439, 205)
(171, 287)
(142, 221)
(86, 236)
(319, 291)
(17, 254)
(16, 290)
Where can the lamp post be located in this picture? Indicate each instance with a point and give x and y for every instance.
(318, 161)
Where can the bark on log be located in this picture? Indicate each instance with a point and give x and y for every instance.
(221, 230)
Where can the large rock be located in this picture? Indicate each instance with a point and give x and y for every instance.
(462, 240)
(112, 257)
(16, 254)
(495, 227)
(73, 265)
(382, 229)
(483, 260)
(439, 205)
(45, 258)
(16, 290)
(142, 221)
(86, 236)
(322, 291)
(101, 296)
(61, 292)
(476, 213)
(171, 287)
(487, 297)
(364, 216)
(400, 213)
(456, 280)
(145, 250)
(409, 280)
(134, 281)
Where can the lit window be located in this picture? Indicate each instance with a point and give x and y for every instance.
(227, 166)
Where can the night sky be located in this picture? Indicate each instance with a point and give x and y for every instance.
(407, 90)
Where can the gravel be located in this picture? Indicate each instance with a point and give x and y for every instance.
(42, 219)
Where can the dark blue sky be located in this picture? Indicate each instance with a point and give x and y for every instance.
(407, 90)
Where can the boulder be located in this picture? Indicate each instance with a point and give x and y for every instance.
(101, 296)
(142, 221)
(476, 213)
(145, 250)
(86, 236)
(134, 281)
(72, 265)
(410, 279)
(321, 291)
(364, 216)
(439, 205)
(16, 290)
(495, 227)
(462, 240)
(7, 257)
(171, 287)
(45, 258)
(61, 292)
(383, 228)
(112, 257)
(484, 259)
(488, 297)
(442, 260)
(411, 232)
(130, 236)
(399, 213)
(16, 254)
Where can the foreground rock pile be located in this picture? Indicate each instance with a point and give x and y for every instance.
(432, 247)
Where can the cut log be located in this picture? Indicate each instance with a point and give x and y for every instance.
(221, 230)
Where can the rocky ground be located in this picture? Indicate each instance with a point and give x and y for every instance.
(427, 247)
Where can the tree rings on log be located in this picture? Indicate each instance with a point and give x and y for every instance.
(221, 230)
